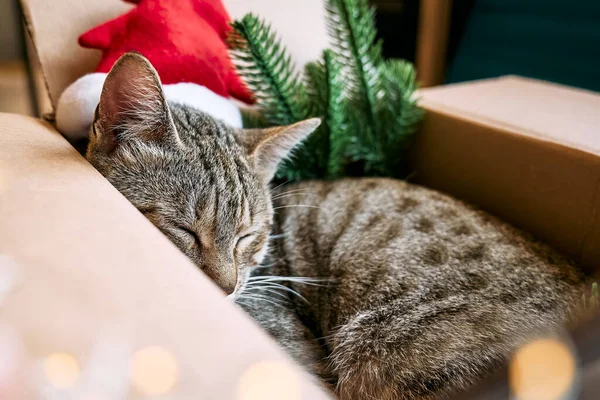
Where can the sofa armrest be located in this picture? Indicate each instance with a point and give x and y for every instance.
(87, 262)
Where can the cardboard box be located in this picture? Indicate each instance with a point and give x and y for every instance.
(88, 282)
(89, 262)
(525, 150)
(78, 262)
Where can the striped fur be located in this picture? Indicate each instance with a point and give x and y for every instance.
(383, 289)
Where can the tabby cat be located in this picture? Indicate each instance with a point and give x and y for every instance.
(384, 289)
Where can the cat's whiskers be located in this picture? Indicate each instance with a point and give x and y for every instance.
(333, 332)
(268, 289)
(296, 205)
(274, 263)
(280, 236)
(261, 284)
(326, 337)
(280, 185)
(257, 297)
(293, 192)
(240, 301)
(290, 191)
(262, 296)
(305, 280)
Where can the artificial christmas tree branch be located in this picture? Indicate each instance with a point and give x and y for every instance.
(268, 70)
(400, 112)
(325, 88)
(352, 30)
(368, 106)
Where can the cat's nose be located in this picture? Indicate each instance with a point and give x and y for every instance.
(229, 290)
(225, 276)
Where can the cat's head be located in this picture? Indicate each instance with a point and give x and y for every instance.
(203, 184)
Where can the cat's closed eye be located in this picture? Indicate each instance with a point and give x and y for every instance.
(245, 240)
(192, 236)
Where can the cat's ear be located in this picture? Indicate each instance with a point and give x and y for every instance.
(268, 147)
(132, 105)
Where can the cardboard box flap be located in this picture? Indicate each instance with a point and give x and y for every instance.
(544, 110)
(523, 150)
(54, 27)
(83, 272)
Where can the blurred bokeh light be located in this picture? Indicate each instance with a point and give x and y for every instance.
(269, 380)
(154, 370)
(61, 370)
(543, 370)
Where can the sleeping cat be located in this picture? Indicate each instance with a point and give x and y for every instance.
(384, 289)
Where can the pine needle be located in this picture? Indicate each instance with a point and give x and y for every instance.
(268, 71)
(368, 105)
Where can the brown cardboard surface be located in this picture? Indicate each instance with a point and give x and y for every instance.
(432, 41)
(55, 26)
(87, 262)
(538, 109)
(524, 150)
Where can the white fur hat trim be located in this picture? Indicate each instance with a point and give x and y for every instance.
(76, 105)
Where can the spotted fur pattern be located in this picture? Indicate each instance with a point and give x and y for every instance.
(383, 289)
(423, 295)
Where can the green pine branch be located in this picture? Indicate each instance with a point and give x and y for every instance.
(336, 117)
(399, 112)
(318, 142)
(351, 25)
(254, 119)
(322, 153)
(368, 106)
(308, 160)
(325, 87)
(267, 70)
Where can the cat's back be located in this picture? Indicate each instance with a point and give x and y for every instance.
(422, 294)
(383, 238)
(378, 213)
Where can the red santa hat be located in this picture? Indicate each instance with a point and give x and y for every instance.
(185, 40)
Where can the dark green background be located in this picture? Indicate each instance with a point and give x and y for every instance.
(554, 40)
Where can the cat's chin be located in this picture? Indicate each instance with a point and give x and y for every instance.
(234, 296)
